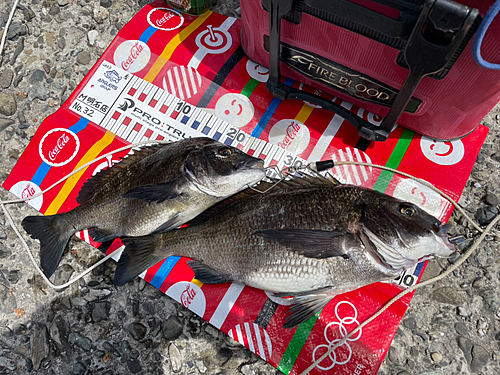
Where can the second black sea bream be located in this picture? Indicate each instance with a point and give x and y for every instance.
(155, 189)
(306, 238)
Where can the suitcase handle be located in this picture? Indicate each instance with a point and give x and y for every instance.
(442, 27)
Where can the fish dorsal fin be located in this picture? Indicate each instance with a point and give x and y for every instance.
(222, 205)
(88, 188)
(273, 185)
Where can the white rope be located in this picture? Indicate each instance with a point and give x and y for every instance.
(6, 28)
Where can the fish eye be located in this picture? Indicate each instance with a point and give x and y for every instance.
(225, 152)
(407, 210)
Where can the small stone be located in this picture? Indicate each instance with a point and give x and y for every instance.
(137, 330)
(59, 333)
(436, 357)
(8, 104)
(172, 328)
(224, 354)
(37, 89)
(8, 363)
(134, 366)
(106, 3)
(16, 29)
(6, 78)
(17, 51)
(410, 323)
(54, 9)
(462, 311)
(8, 301)
(485, 215)
(92, 36)
(200, 365)
(125, 346)
(83, 58)
(447, 295)
(395, 355)
(4, 251)
(61, 43)
(497, 336)
(480, 358)
(491, 199)
(62, 3)
(100, 14)
(14, 276)
(100, 311)
(83, 342)
(461, 328)
(466, 346)
(135, 307)
(175, 357)
(79, 368)
(149, 308)
(39, 347)
(63, 274)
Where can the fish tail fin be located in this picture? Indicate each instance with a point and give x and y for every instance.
(53, 240)
(136, 258)
(305, 306)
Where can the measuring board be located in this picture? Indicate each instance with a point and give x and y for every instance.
(138, 111)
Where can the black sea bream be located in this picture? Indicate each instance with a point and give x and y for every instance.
(306, 238)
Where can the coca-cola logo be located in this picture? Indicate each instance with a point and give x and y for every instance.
(290, 135)
(291, 132)
(132, 55)
(165, 19)
(187, 296)
(26, 190)
(58, 147)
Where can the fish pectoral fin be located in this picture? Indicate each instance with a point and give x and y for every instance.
(136, 258)
(99, 235)
(172, 223)
(206, 274)
(318, 244)
(305, 306)
(156, 192)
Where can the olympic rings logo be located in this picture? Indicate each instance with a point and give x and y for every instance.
(344, 351)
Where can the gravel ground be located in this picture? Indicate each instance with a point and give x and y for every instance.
(452, 327)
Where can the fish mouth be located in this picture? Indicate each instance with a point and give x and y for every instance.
(441, 231)
(253, 164)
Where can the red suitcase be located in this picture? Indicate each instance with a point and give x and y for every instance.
(360, 50)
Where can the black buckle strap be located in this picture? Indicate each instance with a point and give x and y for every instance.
(438, 33)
